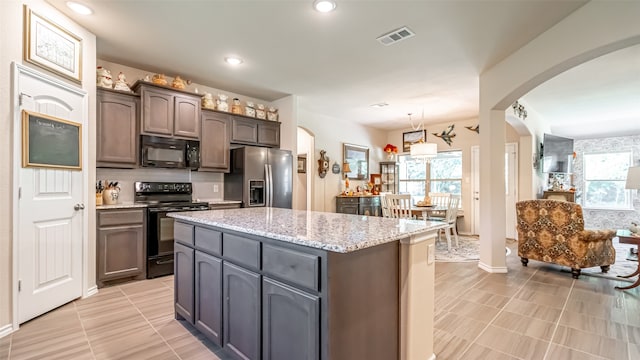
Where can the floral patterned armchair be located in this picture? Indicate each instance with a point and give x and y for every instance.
(553, 231)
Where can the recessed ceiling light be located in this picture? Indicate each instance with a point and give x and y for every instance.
(324, 5)
(79, 8)
(379, 105)
(232, 60)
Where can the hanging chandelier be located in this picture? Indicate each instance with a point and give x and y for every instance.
(422, 150)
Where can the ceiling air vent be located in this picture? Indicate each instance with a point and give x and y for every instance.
(395, 36)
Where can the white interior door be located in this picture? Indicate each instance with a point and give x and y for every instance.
(511, 188)
(50, 215)
(475, 189)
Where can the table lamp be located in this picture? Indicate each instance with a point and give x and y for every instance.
(346, 169)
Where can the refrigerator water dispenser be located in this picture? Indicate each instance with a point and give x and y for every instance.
(256, 193)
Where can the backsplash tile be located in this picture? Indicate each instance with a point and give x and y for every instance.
(203, 182)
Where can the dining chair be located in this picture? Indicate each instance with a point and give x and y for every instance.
(451, 216)
(383, 204)
(399, 205)
(441, 200)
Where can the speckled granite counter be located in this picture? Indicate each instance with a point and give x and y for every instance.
(121, 206)
(221, 202)
(329, 231)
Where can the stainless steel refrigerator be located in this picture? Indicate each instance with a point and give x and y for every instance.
(260, 177)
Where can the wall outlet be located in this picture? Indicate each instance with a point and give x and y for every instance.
(216, 188)
(431, 254)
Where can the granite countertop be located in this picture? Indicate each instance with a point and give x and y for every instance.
(126, 205)
(220, 201)
(341, 233)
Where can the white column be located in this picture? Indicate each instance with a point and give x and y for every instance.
(492, 192)
(417, 283)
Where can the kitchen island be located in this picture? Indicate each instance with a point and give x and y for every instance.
(269, 283)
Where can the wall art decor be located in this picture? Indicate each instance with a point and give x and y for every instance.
(50, 142)
(475, 128)
(335, 168)
(323, 164)
(302, 165)
(413, 137)
(51, 47)
(446, 135)
(357, 157)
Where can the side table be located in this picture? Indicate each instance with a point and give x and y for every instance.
(625, 237)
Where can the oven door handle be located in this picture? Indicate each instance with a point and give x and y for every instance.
(163, 262)
(155, 211)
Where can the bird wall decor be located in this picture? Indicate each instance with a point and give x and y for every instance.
(475, 128)
(446, 135)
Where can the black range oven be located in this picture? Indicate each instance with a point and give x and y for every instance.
(162, 198)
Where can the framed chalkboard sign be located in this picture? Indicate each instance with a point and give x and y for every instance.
(50, 142)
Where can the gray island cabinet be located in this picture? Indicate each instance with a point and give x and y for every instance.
(278, 284)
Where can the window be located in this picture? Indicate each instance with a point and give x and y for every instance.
(604, 180)
(442, 175)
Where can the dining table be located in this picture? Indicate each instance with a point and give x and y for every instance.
(626, 237)
(428, 211)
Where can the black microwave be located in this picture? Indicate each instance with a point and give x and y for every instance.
(169, 153)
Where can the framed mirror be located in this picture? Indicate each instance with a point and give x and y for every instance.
(358, 159)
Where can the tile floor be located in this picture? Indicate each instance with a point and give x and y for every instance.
(530, 313)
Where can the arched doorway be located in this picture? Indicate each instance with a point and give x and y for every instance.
(542, 59)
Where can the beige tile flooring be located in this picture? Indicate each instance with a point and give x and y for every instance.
(131, 321)
(537, 312)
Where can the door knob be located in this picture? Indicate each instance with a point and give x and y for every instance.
(78, 207)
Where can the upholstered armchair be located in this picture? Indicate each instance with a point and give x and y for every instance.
(553, 231)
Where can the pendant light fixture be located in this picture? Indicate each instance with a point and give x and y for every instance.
(422, 150)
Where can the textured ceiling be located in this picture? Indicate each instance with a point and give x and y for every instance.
(332, 61)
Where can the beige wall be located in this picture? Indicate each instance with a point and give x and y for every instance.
(11, 29)
(302, 180)
(330, 134)
(463, 141)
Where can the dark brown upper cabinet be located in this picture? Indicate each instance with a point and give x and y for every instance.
(255, 132)
(169, 112)
(117, 129)
(214, 146)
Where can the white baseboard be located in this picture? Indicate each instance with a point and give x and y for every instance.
(6, 330)
(91, 291)
(492, 269)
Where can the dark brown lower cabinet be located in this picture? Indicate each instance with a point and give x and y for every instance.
(290, 322)
(241, 291)
(208, 296)
(120, 246)
(183, 290)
